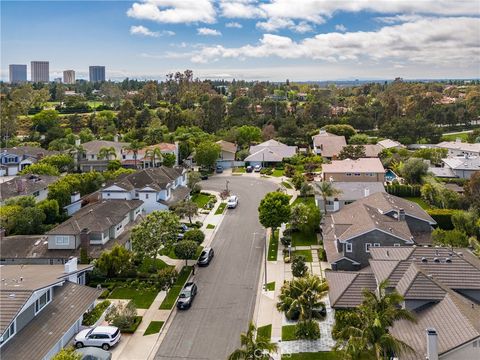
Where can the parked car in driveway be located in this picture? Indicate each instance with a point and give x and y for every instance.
(185, 299)
(249, 169)
(182, 229)
(232, 202)
(219, 169)
(100, 336)
(257, 168)
(205, 257)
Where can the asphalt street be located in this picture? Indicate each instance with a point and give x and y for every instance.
(227, 288)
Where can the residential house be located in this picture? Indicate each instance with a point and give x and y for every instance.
(359, 170)
(460, 167)
(95, 224)
(390, 144)
(349, 192)
(440, 286)
(42, 308)
(376, 220)
(89, 157)
(372, 150)
(328, 145)
(13, 160)
(159, 188)
(270, 152)
(227, 154)
(459, 148)
(144, 159)
(26, 185)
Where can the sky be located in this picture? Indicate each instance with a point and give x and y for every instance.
(299, 40)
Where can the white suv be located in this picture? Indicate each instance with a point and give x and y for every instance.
(232, 202)
(101, 336)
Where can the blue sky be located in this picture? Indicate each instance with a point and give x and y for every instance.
(265, 39)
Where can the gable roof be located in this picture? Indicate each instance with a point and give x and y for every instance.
(361, 165)
(415, 285)
(460, 163)
(272, 149)
(155, 178)
(388, 143)
(25, 185)
(357, 190)
(32, 151)
(330, 144)
(96, 217)
(372, 150)
(94, 146)
(227, 146)
(458, 145)
(346, 288)
(164, 148)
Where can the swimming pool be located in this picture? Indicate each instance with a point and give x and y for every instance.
(390, 175)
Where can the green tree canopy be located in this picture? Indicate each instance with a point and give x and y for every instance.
(40, 169)
(207, 153)
(114, 263)
(186, 249)
(274, 209)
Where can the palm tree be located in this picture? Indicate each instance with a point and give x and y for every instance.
(134, 147)
(369, 332)
(154, 153)
(107, 152)
(300, 298)
(326, 190)
(253, 348)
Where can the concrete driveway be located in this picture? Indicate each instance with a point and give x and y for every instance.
(227, 288)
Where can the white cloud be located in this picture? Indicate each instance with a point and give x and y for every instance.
(241, 9)
(235, 25)
(340, 27)
(302, 27)
(171, 11)
(275, 24)
(142, 30)
(399, 18)
(208, 32)
(435, 41)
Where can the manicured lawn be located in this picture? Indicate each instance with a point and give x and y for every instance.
(210, 226)
(287, 185)
(420, 202)
(309, 200)
(141, 298)
(288, 333)
(174, 291)
(221, 208)
(200, 199)
(239, 170)
(306, 253)
(304, 238)
(264, 331)
(170, 252)
(271, 286)
(153, 328)
(273, 247)
(151, 265)
(277, 173)
(453, 137)
(323, 355)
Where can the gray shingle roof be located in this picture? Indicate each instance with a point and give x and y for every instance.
(330, 144)
(25, 185)
(357, 190)
(32, 151)
(94, 146)
(156, 178)
(346, 288)
(415, 285)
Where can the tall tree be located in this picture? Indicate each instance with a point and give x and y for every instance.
(207, 153)
(274, 210)
(155, 155)
(353, 152)
(326, 190)
(107, 153)
(186, 250)
(186, 208)
(253, 346)
(134, 147)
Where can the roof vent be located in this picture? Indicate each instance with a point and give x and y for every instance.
(436, 252)
(460, 254)
(424, 259)
(436, 259)
(12, 295)
(448, 260)
(388, 253)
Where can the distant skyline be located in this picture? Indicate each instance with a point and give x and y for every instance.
(300, 40)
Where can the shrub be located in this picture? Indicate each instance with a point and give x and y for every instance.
(122, 316)
(104, 294)
(266, 171)
(308, 330)
(443, 217)
(404, 190)
(166, 277)
(322, 254)
(92, 316)
(132, 328)
(196, 235)
(286, 240)
(299, 268)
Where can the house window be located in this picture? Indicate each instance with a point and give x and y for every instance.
(124, 157)
(119, 226)
(36, 193)
(62, 240)
(8, 333)
(367, 247)
(42, 301)
(146, 196)
(348, 247)
(329, 202)
(92, 156)
(396, 244)
(348, 202)
(349, 174)
(357, 174)
(376, 245)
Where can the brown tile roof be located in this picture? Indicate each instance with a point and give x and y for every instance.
(36, 339)
(391, 252)
(362, 165)
(372, 150)
(96, 217)
(331, 145)
(382, 269)
(346, 288)
(415, 285)
(227, 146)
(25, 185)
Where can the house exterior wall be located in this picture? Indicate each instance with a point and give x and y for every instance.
(351, 177)
(73, 242)
(416, 225)
(118, 195)
(464, 174)
(345, 265)
(225, 155)
(471, 294)
(360, 255)
(120, 228)
(468, 351)
(25, 317)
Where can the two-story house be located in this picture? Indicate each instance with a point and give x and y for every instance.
(144, 158)
(227, 153)
(359, 170)
(380, 219)
(158, 188)
(440, 286)
(26, 185)
(95, 224)
(13, 160)
(42, 308)
(90, 159)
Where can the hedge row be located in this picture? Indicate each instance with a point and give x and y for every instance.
(91, 317)
(443, 217)
(404, 190)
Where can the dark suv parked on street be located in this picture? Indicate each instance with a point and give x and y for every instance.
(186, 296)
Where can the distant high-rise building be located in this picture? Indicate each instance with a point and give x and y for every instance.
(18, 73)
(97, 73)
(69, 77)
(40, 71)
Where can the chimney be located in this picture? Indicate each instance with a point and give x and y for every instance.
(78, 142)
(20, 183)
(401, 214)
(432, 347)
(74, 197)
(71, 265)
(85, 240)
(366, 192)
